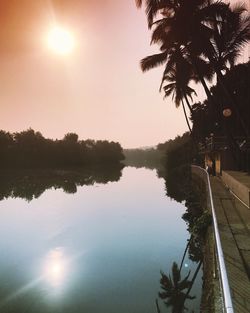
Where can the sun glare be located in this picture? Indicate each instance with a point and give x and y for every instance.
(55, 267)
(61, 41)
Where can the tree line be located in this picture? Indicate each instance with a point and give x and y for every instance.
(29, 149)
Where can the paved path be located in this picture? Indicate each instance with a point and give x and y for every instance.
(234, 226)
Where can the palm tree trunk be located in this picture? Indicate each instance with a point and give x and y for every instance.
(205, 87)
(188, 103)
(184, 254)
(185, 113)
(193, 279)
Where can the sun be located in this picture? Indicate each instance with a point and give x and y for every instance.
(60, 40)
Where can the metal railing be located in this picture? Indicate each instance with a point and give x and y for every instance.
(228, 305)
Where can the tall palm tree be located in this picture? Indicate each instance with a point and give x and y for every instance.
(169, 33)
(174, 290)
(178, 87)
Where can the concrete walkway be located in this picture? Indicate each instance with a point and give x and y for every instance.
(234, 226)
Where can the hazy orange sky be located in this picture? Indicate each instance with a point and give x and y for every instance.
(98, 91)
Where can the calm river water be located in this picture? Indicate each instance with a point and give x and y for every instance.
(96, 248)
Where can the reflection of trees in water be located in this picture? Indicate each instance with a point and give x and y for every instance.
(181, 186)
(30, 184)
(177, 182)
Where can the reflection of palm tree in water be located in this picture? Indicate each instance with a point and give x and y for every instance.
(175, 291)
(185, 252)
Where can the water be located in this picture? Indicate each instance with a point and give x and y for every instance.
(96, 248)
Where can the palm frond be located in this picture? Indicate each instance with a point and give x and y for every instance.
(161, 30)
(185, 283)
(239, 8)
(154, 7)
(213, 12)
(189, 91)
(165, 72)
(165, 282)
(153, 61)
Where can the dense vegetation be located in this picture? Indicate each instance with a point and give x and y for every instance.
(207, 117)
(29, 149)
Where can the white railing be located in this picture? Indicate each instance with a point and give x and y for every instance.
(228, 305)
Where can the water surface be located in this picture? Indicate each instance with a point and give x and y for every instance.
(98, 248)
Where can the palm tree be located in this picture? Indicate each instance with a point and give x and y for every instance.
(230, 34)
(178, 87)
(201, 27)
(174, 290)
(168, 33)
(178, 72)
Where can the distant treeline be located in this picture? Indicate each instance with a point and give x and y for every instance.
(148, 157)
(29, 149)
(165, 157)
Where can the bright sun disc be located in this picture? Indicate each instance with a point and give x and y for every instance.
(61, 41)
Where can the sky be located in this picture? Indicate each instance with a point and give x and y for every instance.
(98, 91)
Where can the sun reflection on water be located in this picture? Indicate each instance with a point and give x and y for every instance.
(53, 272)
(55, 268)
